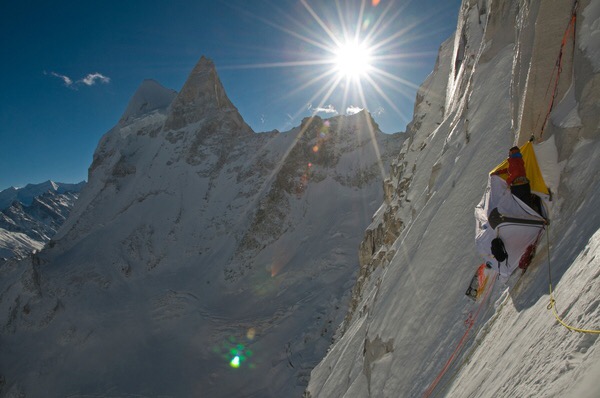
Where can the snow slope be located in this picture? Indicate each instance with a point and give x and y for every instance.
(16, 244)
(150, 97)
(411, 331)
(201, 259)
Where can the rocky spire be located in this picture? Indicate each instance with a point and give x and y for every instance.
(201, 97)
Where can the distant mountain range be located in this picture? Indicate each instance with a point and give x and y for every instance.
(30, 216)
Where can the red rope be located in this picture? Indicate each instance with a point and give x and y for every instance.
(558, 67)
(470, 321)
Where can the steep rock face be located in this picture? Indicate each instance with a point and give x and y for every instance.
(201, 97)
(494, 77)
(25, 228)
(197, 242)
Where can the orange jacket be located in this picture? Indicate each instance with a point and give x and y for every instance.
(516, 168)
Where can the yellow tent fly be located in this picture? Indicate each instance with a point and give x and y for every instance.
(534, 175)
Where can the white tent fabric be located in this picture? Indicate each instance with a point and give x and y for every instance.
(518, 225)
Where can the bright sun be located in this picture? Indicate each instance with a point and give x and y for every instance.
(352, 60)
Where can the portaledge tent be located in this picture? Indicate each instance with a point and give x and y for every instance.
(500, 214)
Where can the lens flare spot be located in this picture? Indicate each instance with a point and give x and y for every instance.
(235, 362)
(365, 24)
(236, 354)
(375, 3)
(276, 266)
(251, 334)
(315, 148)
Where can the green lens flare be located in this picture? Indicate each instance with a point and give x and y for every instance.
(235, 353)
(235, 362)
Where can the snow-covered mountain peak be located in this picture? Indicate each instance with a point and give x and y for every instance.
(203, 98)
(150, 96)
(47, 185)
(210, 233)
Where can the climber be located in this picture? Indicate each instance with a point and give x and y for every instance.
(500, 214)
(517, 178)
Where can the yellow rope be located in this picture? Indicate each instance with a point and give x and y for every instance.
(572, 328)
(552, 305)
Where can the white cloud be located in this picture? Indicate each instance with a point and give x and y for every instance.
(66, 79)
(327, 109)
(91, 79)
(352, 110)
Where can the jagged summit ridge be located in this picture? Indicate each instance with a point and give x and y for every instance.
(203, 97)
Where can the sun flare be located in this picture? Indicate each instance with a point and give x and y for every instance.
(353, 51)
(353, 60)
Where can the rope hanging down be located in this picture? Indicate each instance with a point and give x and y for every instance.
(558, 65)
(552, 305)
(470, 322)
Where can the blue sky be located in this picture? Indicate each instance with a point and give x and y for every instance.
(69, 68)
